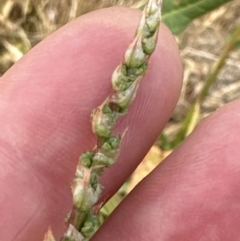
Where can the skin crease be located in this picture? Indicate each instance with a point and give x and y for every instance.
(45, 103)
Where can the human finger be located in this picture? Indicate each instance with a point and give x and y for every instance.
(45, 103)
(193, 194)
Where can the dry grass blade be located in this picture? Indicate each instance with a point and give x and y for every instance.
(49, 235)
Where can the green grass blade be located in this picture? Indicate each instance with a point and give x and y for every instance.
(177, 14)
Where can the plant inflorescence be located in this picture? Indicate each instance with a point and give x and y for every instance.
(86, 189)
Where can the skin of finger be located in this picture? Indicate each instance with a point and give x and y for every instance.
(45, 104)
(193, 195)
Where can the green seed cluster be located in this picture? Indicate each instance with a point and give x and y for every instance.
(125, 81)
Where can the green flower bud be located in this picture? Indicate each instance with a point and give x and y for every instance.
(152, 22)
(90, 226)
(102, 160)
(94, 180)
(84, 196)
(134, 56)
(149, 44)
(108, 152)
(86, 158)
(103, 121)
(125, 98)
(135, 72)
(114, 141)
(119, 80)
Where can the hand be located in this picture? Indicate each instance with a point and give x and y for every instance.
(45, 103)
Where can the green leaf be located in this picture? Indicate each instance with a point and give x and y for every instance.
(177, 14)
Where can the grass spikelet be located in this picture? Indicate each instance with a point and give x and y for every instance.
(86, 189)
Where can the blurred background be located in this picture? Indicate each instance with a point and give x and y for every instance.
(208, 35)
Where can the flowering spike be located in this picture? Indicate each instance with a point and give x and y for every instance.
(86, 190)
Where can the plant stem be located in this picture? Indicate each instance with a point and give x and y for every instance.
(193, 114)
(228, 47)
